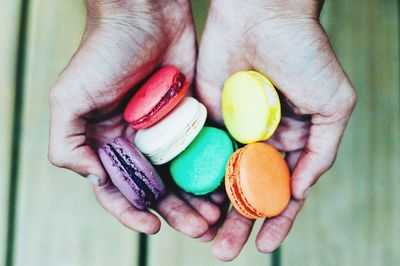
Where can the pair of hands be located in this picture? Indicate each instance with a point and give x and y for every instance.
(126, 40)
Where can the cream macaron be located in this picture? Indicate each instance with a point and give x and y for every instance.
(163, 141)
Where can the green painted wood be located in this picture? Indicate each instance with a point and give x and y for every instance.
(200, 10)
(58, 219)
(9, 19)
(352, 215)
(170, 248)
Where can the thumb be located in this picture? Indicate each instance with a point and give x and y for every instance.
(68, 147)
(325, 135)
(95, 81)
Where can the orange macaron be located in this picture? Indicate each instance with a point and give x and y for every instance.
(257, 181)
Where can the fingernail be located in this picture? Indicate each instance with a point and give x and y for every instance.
(94, 179)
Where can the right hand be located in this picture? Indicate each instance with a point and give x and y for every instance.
(124, 41)
(285, 41)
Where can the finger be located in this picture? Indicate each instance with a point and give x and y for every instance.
(213, 230)
(68, 147)
(115, 203)
(207, 209)
(274, 230)
(94, 81)
(181, 217)
(232, 236)
(292, 159)
(210, 234)
(224, 208)
(218, 196)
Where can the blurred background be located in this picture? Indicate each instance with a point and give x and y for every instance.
(49, 216)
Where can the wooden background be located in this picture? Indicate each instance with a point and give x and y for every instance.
(49, 216)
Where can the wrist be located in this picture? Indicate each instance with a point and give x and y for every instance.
(274, 8)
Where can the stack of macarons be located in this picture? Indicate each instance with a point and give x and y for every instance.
(169, 127)
(257, 178)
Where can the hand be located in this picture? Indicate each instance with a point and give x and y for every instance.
(287, 43)
(124, 41)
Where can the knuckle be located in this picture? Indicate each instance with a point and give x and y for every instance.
(56, 95)
(347, 95)
(56, 159)
(125, 214)
(61, 96)
(328, 159)
(173, 214)
(342, 101)
(349, 98)
(352, 98)
(326, 162)
(241, 223)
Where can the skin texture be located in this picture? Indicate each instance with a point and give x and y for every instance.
(285, 41)
(124, 42)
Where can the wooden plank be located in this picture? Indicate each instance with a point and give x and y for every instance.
(172, 248)
(352, 214)
(9, 19)
(58, 221)
(200, 11)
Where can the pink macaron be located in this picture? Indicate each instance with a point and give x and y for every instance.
(156, 98)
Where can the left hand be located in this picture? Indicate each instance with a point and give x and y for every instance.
(286, 42)
(124, 42)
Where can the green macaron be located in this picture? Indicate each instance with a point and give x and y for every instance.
(200, 169)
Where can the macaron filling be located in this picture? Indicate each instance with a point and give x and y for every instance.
(178, 83)
(273, 102)
(132, 175)
(233, 175)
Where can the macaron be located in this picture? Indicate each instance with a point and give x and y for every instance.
(257, 181)
(250, 106)
(131, 173)
(200, 168)
(156, 98)
(166, 139)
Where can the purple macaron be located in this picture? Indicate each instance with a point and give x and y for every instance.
(131, 173)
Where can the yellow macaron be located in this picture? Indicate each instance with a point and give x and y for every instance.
(250, 107)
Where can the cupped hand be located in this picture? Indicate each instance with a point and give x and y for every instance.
(124, 41)
(285, 41)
